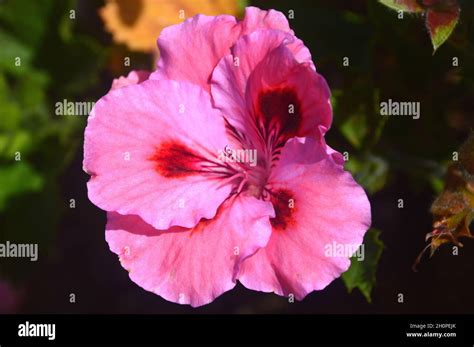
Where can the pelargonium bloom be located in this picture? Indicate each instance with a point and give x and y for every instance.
(170, 158)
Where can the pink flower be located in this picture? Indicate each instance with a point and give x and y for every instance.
(187, 218)
(134, 77)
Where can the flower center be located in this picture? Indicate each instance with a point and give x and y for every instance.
(275, 118)
(256, 180)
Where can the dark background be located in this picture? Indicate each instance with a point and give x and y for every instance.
(389, 58)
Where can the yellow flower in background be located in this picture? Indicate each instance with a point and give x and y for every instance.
(137, 23)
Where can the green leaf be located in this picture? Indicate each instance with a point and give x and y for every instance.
(437, 184)
(361, 274)
(441, 17)
(27, 20)
(370, 171)
(355, 129)
(10, 110)
(441, 24)
(65, 28)
(11, 50)
(403, 5)
(31, 90)
(17, 179)
(21, 141)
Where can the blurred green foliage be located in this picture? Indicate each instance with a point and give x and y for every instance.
(361, 274)
(43, 59)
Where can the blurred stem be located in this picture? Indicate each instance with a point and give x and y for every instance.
(409, 164)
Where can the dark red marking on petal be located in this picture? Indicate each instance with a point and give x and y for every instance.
(279, 110)
(284, 205)
(173, 159)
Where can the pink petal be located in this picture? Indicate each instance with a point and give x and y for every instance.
(256, 18)
(279, 74)
(329, 206)
(230, 77)
(190, 50)
(134, 77)
(266, 63)
(144, 154)
(191, 266)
